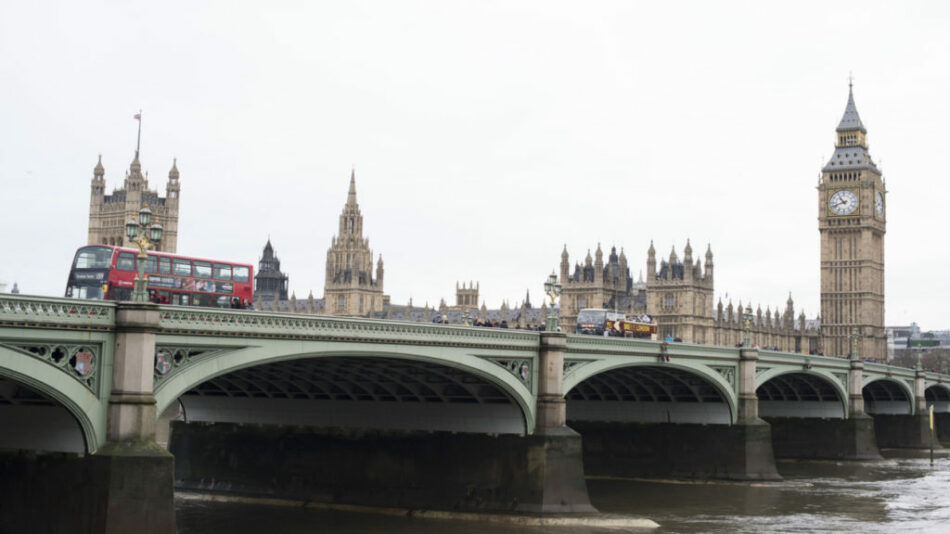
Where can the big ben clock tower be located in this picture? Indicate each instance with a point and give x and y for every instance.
(852, 221)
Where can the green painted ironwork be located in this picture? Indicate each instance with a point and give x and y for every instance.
(40, 336)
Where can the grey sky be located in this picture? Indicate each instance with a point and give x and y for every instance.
(485, 135)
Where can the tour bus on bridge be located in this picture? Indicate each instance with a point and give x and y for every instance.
(602, 322)
(107, 272)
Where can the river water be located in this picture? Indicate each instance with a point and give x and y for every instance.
(902, 495)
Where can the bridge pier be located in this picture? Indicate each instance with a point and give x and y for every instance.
(903, 431)
(740, 451)
(124, 486)
(850, 439)
(137, 474)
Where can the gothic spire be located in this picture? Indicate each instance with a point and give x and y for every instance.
(99, 170)
(851, 120)
(351, 196)
(173, 173)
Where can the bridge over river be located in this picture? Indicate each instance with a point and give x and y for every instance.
(402, 414)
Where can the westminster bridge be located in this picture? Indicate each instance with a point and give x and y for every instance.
(413, 415)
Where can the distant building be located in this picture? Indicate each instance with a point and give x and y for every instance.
(109, 213)
(598, 285)
(350, 288)
(852, 221)
(269, 280)
(680, 295)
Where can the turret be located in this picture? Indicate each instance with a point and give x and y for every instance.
(565, 266)
(172, 188)
(789, 317)
(688, 261)
(379, 272)
(98, 186)
(708, 274)
(598, 263)
(651, 262)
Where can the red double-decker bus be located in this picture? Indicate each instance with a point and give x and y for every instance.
(106, 272)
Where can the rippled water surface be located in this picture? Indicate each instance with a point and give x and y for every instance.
(905, 495)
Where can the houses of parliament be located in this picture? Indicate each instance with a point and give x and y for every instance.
(677, 291)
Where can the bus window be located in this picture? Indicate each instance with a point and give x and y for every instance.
(126, 261)
(200, 299)
(222, 271)
(241, 273)
(151, 264)
(202, 269)
(93, 258)
(180, 299)
(182, 267)
(222, 301)
(165, 265)
(121, 293)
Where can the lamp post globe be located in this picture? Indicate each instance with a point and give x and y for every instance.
(131, 229)
(145, 235)
(145, 217)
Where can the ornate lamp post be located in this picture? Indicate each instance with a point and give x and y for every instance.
(144, 236)
(553, 290)
(747, 317)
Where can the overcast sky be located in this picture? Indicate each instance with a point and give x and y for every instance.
(485, 135)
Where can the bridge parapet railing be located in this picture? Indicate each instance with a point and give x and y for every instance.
(808, 361)
(586, 344)
(239, 323)
(872, 368)
(53, 312)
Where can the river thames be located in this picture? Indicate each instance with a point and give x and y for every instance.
(900, 495)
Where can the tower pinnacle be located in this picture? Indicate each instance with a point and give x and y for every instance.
(351, 196)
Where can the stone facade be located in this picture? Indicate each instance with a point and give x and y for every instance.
(109, 213)
(852, 222)
(598, 285)
(680, 295)
(350, 288)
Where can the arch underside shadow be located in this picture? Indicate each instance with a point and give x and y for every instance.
(32, 421)
(798, 394)
(648, 394)
(68, 404)
(886, 396)
(356, 392)
(938, 396)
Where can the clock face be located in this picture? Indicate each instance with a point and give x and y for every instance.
(879, 204)
(843, 202)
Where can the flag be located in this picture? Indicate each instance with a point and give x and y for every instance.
(137, 116)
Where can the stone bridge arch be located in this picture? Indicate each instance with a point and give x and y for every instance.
(513, 375)
(687, 379)
(938, 395)
(62, 414)
(887, 395)
(802, 393)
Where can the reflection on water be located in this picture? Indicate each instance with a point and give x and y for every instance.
(906, 495)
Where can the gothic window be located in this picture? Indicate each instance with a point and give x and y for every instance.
(361, 303)
(340, 303)
(669, 302)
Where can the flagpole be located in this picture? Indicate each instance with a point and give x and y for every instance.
(138, 139)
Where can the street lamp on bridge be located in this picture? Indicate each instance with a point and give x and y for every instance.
(553, 290)
(144, 236)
